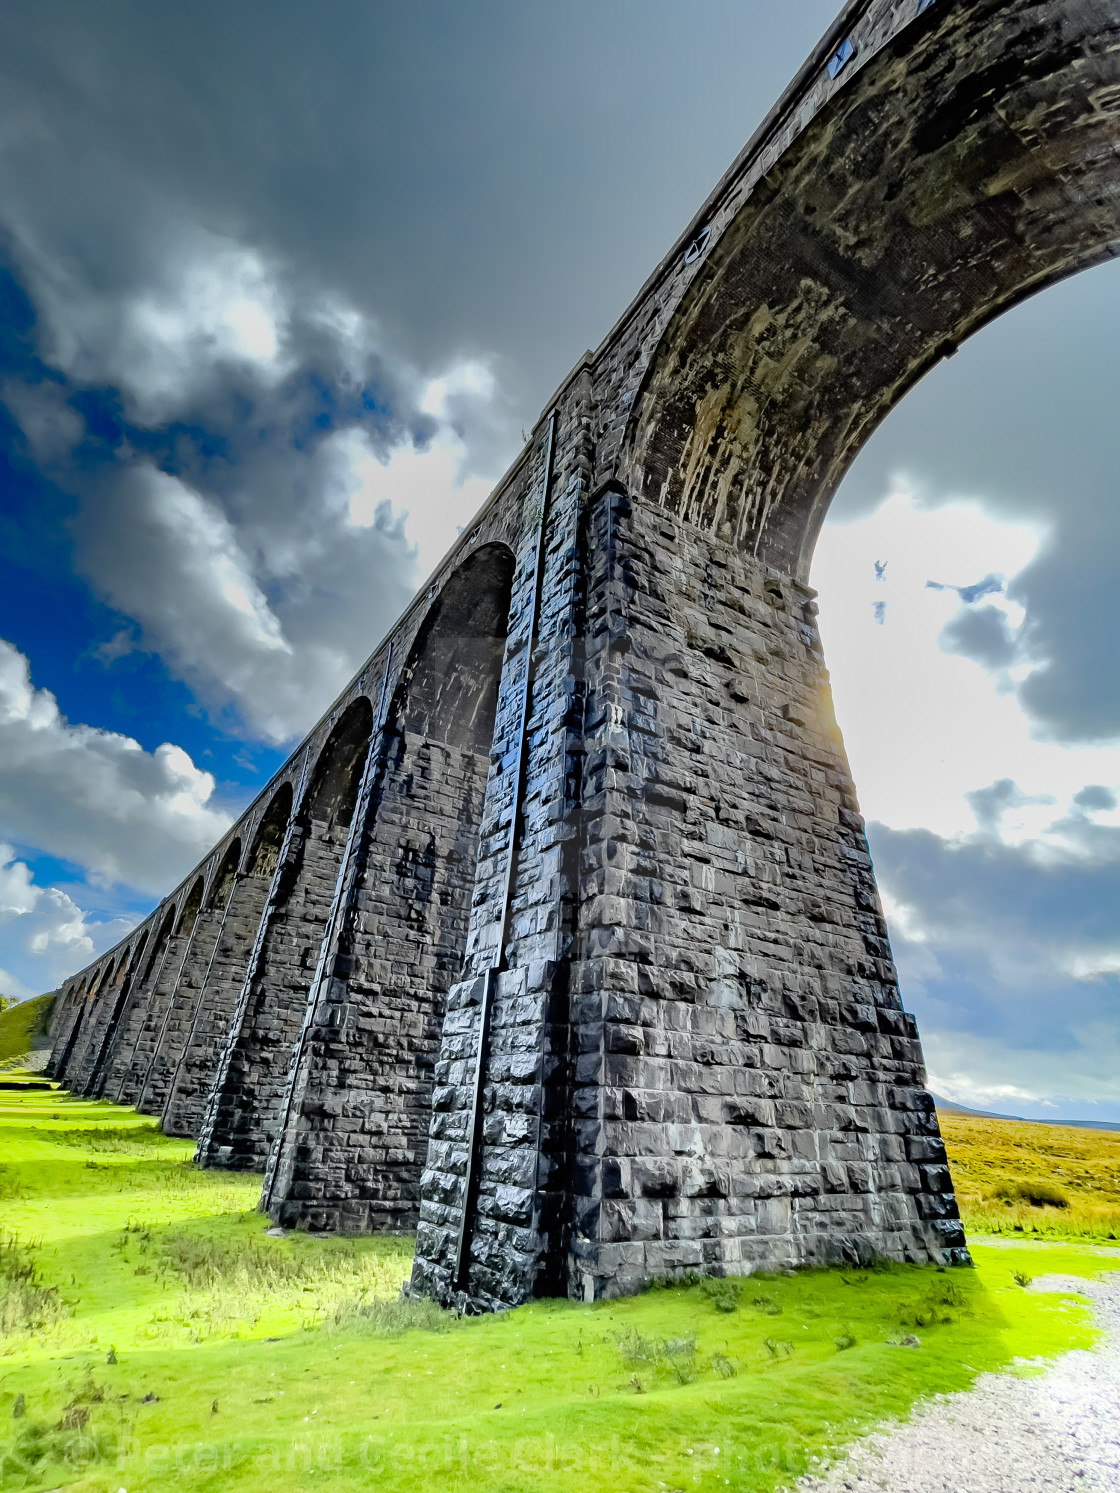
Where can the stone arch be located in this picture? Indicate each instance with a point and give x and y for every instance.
(221, 882)
(968, 164)
(270, 832)
(103, 1014)
(334, 785)
(206, 1010)
(166, 928)
(449, 687)
(132, 1010)
(156, 1049)
(74, 1001)
(90, 1073)
(191, 906)
(360, 1105)
(248, 1098)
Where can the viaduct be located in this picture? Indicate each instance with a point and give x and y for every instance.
(557, 940)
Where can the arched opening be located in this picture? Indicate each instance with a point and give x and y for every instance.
(238, 902)
(361, 1103)
(174, 1002)
(136, 995)
(77, 1015)
(190, 909)
(89, 1071)
(222, 884)
(244, 1110)
(338, 771)
(964, 167)
(270, 835)
(97, 1003)
(980, 712)
(166, 929)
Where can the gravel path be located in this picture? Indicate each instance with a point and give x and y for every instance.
(1058, 1432)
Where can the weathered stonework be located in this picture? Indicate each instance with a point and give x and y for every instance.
(558, 938)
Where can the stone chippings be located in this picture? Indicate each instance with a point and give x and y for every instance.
(1053, 1431)
(698, 1058)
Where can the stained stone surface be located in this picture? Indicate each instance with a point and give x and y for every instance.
(591, 782)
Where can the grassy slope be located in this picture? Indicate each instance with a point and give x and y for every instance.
(20, 1024)
(229, 1374)
(994, 1157)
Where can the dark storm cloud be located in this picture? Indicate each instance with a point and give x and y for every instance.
(249, 236)
(494, 178)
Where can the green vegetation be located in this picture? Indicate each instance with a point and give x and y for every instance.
(1045, 1181)
(157, 1337)
(22, 1025)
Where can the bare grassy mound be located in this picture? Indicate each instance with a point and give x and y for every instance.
(23, 1027)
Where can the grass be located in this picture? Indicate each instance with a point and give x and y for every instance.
(21, 1025)
(1045, 1181)
(182, 1347)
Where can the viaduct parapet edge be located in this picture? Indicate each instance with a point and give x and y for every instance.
(558, 940)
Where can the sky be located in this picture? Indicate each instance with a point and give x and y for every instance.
(280, 288)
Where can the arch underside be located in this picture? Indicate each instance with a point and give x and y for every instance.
(973, 161)
(353, 1152)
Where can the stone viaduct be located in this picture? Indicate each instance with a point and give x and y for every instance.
(557, 940)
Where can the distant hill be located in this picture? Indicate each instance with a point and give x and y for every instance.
(24, 1028)
(951, 1107)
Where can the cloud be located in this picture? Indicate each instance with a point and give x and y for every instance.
(249, 465)
(1094, 796)
(991, 585)
(97, 799)
(44, 932)
(983, 634)
(1010, 958)
(1021, 424)
(393, 153)
(997, 853)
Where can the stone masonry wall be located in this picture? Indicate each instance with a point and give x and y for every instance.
(248, 1109)
(83, 1071)
(114, 1062)
(361, 1134)
(517, 1234)
(207, 1019)
(697, 1055)
(175, 1021)
(748, 1089)
(165, 995)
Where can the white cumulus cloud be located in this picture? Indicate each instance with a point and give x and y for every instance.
(96, 798)
(44, 934)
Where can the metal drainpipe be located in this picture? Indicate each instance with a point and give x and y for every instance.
(345, 885)
(497, 957)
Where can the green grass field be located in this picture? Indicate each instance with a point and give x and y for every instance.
(154, 1337)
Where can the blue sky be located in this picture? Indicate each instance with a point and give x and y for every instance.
(278, 292)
